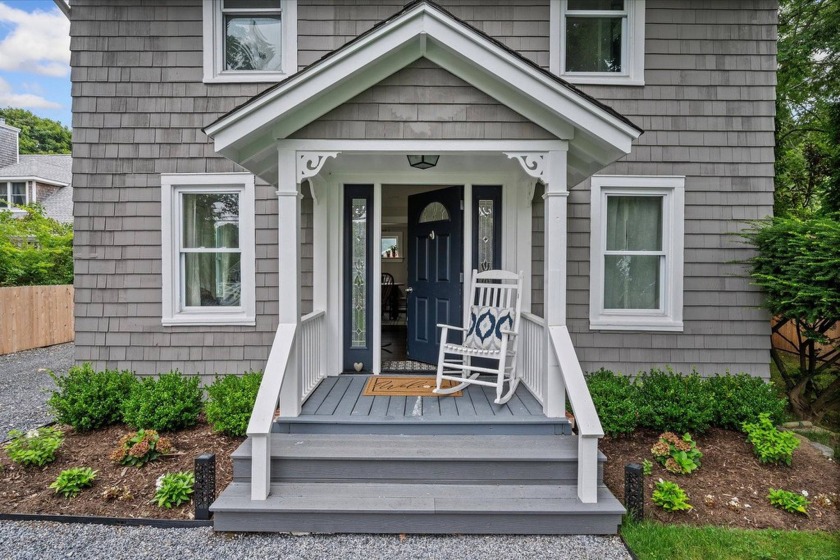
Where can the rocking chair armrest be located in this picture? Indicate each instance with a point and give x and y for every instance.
(509, 333)
(442, 326)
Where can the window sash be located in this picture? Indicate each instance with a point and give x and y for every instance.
(595, 14)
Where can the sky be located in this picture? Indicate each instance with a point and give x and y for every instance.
(35, 58)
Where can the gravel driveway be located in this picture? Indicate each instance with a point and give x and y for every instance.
(25, 540)
(25, 385)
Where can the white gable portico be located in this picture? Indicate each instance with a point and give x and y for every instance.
(585, 136)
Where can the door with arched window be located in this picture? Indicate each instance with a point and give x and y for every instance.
(435, 261)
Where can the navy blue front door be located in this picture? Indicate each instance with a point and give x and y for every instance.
(435, 258)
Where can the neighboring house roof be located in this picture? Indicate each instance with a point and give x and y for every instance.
(59, 205)
(55, 169)
(598, 135)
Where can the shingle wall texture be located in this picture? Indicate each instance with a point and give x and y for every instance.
(139, 105)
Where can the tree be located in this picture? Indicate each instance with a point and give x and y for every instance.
(798, 266)
(808, 91)
(38, 135)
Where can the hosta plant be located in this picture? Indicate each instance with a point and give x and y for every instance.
(35, 447)
(788, 501)
(70, 482)
(140, 447)
(670, 497)
(678, 455)
(770, 444)
(174, 489)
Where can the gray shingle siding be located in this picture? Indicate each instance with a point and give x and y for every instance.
(139, 105)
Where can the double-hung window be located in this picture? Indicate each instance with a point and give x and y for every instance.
(598, 41)
(13, 194)
(636, 268)
(208, 248)
(249, 40)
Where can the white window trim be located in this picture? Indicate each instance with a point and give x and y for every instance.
(172, 184)
(6, 186)
(633, 51)
(213, 31)
(670, 317)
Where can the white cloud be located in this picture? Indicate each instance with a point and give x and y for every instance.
(38, 42)
(8, 98)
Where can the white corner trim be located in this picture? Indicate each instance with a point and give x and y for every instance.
(173, 312)
(633, 49)
(672, 190)
(213, 46)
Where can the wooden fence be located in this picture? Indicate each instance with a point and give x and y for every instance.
(35, 316)
(788, 331)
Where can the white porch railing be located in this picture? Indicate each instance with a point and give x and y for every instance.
(532, 354)
(586, 418)
(259, 428)
(313, 331)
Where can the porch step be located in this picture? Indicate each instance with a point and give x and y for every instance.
(348, 507)
(440, 459)
(421, 425)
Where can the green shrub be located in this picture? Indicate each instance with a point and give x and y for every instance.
(769, 443)
(788, 501)
(71, 481)
(670, 497)
(35, 447)
(615, 400)
(87, 400)
(35, 250)
(174, 489)
(672, 402)
(170, 402)
(677, 455)
(230, 401)
(138, 448)
(647, 467)
(741, 398)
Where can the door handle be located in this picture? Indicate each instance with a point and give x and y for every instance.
(409, 290)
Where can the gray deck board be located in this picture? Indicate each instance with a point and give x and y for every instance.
(334, 397)
(318, 395)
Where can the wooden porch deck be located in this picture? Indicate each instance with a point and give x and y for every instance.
(338, 406)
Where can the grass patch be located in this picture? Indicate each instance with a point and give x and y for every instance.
(654, 541)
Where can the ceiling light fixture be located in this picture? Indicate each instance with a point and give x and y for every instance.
(423, 161)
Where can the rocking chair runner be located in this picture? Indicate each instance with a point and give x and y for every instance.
(491, 336)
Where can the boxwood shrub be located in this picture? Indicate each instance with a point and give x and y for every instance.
(615, 399)
(743, 398)
(170, 402)
(672, 402)
(87, 399)
(230, 401)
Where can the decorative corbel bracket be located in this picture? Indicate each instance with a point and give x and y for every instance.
(310, 163)
(533, 163)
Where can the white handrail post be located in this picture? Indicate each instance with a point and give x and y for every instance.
(260, 466)
(556, 198)
(587, 469)
(288, 278)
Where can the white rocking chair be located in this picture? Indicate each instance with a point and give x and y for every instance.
(492, 335)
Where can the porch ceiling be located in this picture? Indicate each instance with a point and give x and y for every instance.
(597, 135)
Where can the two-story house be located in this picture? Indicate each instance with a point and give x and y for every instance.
(245, 170)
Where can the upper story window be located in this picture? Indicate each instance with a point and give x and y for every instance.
(598, 41)
(636, 253)
(249, 40)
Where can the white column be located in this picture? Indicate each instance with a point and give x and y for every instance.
(288, 277)
(554, 279)
(320, 232)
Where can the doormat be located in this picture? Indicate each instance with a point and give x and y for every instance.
(409, 366)
(405, 386)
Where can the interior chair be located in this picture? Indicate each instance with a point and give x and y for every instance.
(496, 300)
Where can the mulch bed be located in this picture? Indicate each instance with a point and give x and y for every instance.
(730, 470)
(26, 489)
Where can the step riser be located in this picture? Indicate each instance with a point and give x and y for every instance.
(451, 471)
(422, 429)
(481, 524)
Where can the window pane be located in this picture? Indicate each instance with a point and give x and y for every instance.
(252, 4)
(485, 235)
(253, 43)
(434, 212)
(358, 319)
(634, 223)
(212, 279)
(4, 195)
(631, 281)
(18, 193)
(211, 220)
(596, 4)
(593, 44)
